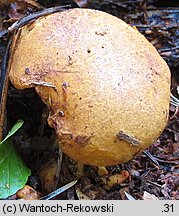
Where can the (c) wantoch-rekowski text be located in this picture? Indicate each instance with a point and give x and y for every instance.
(69, 208)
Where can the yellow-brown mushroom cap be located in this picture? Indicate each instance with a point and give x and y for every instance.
(106, 86)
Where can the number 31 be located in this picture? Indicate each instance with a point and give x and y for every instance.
(168, 208)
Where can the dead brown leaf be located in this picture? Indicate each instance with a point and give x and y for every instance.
(117, 179)
(27, 193)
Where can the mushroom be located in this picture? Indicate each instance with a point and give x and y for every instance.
(106, 86)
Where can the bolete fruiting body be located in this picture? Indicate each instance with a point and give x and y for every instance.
(106, 86)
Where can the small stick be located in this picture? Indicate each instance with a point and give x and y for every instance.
(151, 157)
(167, 161)
(155, 26)
(59, 191)
(129, 197)
(128, 138)
(46, 84)
(3, 89)
(173, 100)
(26, 19)
(31, 17)
(153, 183)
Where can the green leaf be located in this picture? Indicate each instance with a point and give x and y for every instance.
(16, 127)
(13, 171)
